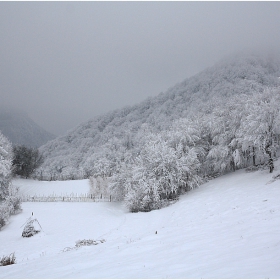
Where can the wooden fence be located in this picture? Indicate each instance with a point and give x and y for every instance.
(67, 198)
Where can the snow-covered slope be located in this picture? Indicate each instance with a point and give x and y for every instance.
(239, 74)
(21, 130)
(227, 228)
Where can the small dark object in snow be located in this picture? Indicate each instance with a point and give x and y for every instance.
(156, 232)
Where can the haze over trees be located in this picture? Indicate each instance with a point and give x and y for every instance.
(217, 121)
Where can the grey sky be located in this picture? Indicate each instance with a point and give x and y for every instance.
(66, 62)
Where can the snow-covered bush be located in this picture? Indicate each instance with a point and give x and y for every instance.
(8, 260)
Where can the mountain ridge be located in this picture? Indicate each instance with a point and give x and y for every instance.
(20, 129)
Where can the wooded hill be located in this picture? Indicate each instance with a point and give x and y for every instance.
(212, 117)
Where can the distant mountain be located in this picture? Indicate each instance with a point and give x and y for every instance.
(238, 74)
(21, 130)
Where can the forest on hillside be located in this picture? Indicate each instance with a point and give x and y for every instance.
(220, 120)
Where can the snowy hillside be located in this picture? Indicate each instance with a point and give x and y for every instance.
(236, 75)
(227, 228)
(21, 130)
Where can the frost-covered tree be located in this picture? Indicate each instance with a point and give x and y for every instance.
(189, 133)
(142, 192)
(260, 128)
(5, 166)
(107, 160)
(159, 173)
(13, 200)
(99, 187)
(224, 123)
(9, 199)
(120, 182)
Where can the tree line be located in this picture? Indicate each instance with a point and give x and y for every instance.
(14, 161)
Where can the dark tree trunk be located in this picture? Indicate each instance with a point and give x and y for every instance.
(254, 157)
(270, 163)
(270, 160)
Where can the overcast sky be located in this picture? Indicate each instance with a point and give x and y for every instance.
(66, 62)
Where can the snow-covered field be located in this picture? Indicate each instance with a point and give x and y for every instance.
(40, 188)
(228, 228)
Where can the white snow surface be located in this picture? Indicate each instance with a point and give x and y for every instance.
(227, 228)
(40, 188)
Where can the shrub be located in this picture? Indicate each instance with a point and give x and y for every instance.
(8, 260)
(88, 242)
